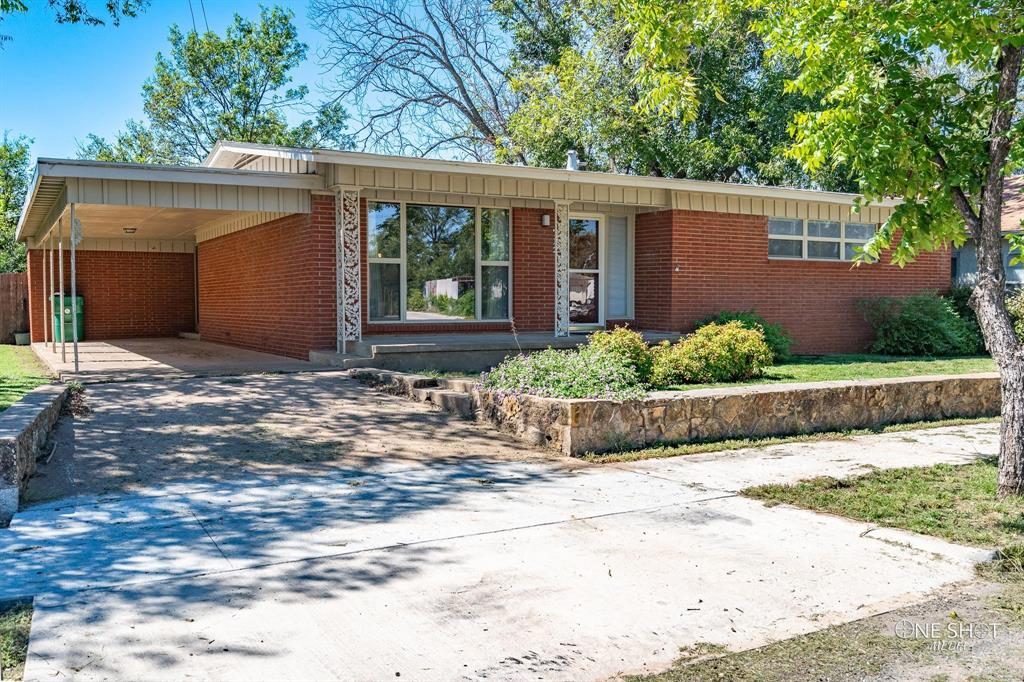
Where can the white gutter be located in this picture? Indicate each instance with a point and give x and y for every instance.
(222, 149)
(73, 168)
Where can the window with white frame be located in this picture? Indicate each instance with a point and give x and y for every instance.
(431, 263)
(817, 239)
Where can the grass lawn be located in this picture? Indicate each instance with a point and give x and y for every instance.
(956, 502)
(15, 621)
(804, 368)
(20, 372)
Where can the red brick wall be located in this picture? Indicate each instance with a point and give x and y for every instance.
(127, 294)
(690, 264)
(271, 287)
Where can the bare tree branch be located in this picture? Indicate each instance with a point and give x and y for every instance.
(430, 74)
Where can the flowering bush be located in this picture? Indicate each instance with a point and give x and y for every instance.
(630, 345)
(774, 334)
(713, 353)
(586, 372)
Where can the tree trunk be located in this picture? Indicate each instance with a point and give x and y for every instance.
(1011, 436)
(989, 297)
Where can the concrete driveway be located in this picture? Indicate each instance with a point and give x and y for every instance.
(132, 359)
(199, 543)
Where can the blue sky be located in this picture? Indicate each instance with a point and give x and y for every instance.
(59, 83)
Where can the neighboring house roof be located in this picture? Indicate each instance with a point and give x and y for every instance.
(1013, 203)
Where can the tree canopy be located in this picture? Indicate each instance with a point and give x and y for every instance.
(580, 88)
(236, 87)
(79, 11)
(14, 180)
(918, 99)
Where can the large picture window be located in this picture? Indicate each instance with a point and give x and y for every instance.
(432, 263)
(817, 239)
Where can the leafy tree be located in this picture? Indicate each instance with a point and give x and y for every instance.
(236, 87)
(579, 89)
(14, 180)
(135, 144)
(78, 12)
(919, 99)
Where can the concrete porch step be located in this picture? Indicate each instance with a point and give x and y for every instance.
(453, 402)
(345, 361)
(459, 385)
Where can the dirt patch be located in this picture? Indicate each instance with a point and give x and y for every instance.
(971, 630)
(134, 434)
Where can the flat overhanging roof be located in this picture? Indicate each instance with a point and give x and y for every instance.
(228, 155)
(154, 192)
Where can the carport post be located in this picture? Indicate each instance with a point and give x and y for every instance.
(76, 236)
(46, 328)
(60, 261)
(49, 302)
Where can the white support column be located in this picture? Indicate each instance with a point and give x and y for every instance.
(46, 325)
(76, 236)
(60, 263)
(561, 268)
(348, 275)
(49, 302)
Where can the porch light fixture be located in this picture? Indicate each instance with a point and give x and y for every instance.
(545, 220)
(130, 230)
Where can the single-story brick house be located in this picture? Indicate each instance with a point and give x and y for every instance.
(292, 250)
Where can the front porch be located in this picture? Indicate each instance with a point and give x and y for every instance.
(451, 352)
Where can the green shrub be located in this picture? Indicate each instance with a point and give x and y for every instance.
(774, 334)
(922, 324)
(712, 354)
(585, 372)
(630, 345)
(1015, 304)
(959, 297)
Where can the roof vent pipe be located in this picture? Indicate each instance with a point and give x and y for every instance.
(572, 160)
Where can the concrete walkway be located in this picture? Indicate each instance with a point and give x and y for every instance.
(449, 558)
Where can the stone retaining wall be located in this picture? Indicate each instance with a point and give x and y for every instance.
(24, 429)
(576, 427)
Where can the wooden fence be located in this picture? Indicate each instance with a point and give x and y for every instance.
(13, 305)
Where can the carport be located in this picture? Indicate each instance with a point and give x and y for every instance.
(123, 236)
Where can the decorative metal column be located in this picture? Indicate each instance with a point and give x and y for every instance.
(561, 269)
(348, 275)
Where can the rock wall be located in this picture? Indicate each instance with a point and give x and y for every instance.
(575, 427)
(24, 429)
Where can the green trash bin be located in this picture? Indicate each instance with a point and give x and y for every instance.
(65, 315)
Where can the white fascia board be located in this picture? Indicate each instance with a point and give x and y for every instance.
(224, 154)
(546, 174)
(30, 196)
(69, 168)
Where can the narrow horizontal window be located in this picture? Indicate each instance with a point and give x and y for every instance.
(786, 248)
(823, 250)
(792, 227)
(824, 228)
(860, 231)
